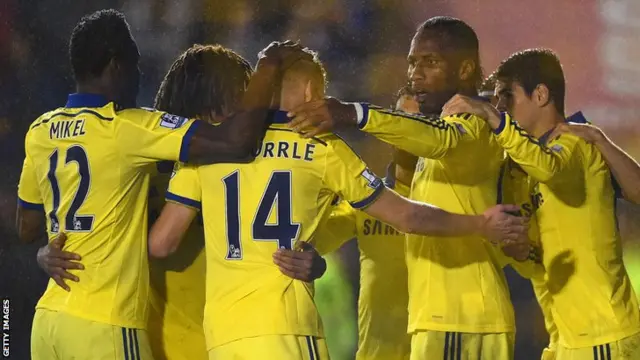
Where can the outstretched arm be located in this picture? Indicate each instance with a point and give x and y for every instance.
(624, 168)
(424, 136)
(413, 217)
(237, 139)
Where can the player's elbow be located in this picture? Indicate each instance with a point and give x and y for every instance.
(161, 248)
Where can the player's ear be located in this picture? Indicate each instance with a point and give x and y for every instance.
(541, 95)
(308, 92)
(467, 69)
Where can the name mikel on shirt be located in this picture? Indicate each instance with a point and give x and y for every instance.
(287, 149)
(66, 129)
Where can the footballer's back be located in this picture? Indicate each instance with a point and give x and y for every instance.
(251, 210)
(87, 166)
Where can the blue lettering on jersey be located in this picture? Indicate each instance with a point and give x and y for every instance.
(372, 180)
(171, 121)
(284, 149)
(66, 129)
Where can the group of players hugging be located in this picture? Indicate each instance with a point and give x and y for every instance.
(243, 164)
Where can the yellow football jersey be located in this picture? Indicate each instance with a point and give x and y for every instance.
(177, 286)
(250, 210)
(582, 255)
(464, 289)
(87, 165)
(384, 297)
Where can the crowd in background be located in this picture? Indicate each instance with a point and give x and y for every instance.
(363, 45)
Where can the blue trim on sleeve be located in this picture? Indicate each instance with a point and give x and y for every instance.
(369, 199)
(365, 116)
(186, 141)
(30, 206)
(279, 117)
(183, 200)
(503, 123)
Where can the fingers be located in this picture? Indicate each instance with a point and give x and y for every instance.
(292, 271)
(508, 208)
(64, 264)
(59, 240)
(61, 282)
(304, 246)
(297, 259)
(306, 107)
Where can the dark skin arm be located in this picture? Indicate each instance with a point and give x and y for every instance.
(30, 224)
(236, 140)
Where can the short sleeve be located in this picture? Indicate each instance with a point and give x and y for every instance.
(348, 176)
(150, 136)
(184, 186)
(29, 196)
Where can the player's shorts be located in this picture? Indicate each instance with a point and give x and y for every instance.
(396, 348)
(58, 335)
(625, 349)
(173, 336)
(290, 347)
(429, 345)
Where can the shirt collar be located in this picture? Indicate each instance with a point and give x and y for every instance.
(278, 117)
(78, 100)
(578, 117)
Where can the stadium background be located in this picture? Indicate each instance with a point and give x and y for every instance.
(363, 45)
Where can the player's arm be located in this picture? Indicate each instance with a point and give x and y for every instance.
(429, 137)
(30, 220)
(348, 176)
(174, 138)
(538, 160)
(183, 203)
(624, 168)
(339, 228)
(168, 230)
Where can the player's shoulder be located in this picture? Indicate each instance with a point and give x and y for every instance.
(151, 117)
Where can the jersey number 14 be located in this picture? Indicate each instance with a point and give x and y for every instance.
(278, 193)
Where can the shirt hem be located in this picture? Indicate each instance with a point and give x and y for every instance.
(98, 319)
(600, 340)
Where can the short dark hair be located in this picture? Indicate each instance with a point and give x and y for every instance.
(311, 68)
(97, 39)
(458, 36)
(204, 78)
(533, 67)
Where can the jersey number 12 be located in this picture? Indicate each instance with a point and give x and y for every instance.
(278, 192)
(73, 221)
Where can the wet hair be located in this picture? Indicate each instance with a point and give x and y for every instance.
(311, 69)
(456, 35)
(534, 67)
(97, 39)
(204, 79)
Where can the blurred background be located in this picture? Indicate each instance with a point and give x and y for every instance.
(363, 45)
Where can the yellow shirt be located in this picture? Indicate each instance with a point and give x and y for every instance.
(383, 300)
(87, 165)
(593, 300)
(455, 284)
(250, 210)
(177, 287)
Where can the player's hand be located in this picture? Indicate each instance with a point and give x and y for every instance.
(55, 262)
(322, 116)
(502, 227)
(459, 104)
(589, 133)
(518, 250)
(304, 264)
(283, 54)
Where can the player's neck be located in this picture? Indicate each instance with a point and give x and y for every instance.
(403, 175)
(90, 87)
(546, 123)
